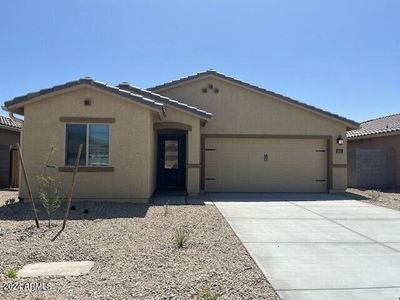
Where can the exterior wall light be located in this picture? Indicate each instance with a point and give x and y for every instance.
(340, 140)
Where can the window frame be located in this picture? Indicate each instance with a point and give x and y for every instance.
(86, 165)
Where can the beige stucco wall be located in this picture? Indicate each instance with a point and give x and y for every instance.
(391, 141)
(131, 140)
(237, 110)
(9, 137)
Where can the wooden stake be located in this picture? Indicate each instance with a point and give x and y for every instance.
(70, 193)
(71, 189)
(35, 217)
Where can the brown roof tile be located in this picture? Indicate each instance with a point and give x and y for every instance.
(88, 81)
(142, 96)
(163, 99)
(8, 122)
(388, 124)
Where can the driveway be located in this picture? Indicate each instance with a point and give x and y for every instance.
(318, 246)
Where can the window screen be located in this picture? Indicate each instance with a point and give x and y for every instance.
(76, 134)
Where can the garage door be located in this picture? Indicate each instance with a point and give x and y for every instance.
(265, 165)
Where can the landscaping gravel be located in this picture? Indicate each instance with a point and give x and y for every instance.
(7, 194)
(387, 198)
(134, 253)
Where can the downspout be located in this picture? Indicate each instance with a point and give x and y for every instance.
(12, 117)
(162, 113)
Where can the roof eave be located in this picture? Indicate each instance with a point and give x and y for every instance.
(350, 124)
(374, 135)
(10, 128)
(17, 105)
(180, 106)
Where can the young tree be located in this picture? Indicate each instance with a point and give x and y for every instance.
(49, 187)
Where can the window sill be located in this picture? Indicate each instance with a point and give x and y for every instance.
(86, 169)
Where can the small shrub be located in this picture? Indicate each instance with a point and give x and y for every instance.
(166, 208)
(374, 194)
(10, 201)
(181, 237)
(207, 294)
(12, 273)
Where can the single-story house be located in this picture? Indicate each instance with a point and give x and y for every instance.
(9, 136)
(207, 132)
(374, 153)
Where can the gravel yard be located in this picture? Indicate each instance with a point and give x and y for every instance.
(134, 253)
(387, 198)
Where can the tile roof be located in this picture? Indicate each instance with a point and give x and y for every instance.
(8, 122)
(87, 81)
(352, 123)
(388, 124)
(145, 97)
(164, 99)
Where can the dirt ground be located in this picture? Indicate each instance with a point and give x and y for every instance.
(134, 253)
(388, 198)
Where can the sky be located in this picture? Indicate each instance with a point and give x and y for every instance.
(339, 55)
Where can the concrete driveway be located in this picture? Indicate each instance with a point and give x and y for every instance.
(318, 246)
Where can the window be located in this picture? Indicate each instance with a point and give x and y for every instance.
(95, 141)
(171, 154)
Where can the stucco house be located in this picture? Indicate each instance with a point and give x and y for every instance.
(374, 153)
(9, 136)
(205, 132)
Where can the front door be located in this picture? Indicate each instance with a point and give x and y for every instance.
(171, 161)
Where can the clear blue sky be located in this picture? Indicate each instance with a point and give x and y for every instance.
(339, 55)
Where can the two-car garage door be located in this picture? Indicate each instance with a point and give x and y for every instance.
(265, 165)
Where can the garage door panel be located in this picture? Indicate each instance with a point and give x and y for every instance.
(292, 165)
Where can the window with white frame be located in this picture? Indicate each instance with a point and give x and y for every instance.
(95, 141)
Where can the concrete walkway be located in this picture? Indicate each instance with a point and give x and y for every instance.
(318, 246)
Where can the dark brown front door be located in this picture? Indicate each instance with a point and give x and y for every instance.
(171, 161)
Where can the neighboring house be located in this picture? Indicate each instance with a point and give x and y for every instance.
(206, 132)
(374, 153)
(9, 136)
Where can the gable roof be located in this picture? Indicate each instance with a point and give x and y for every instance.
(350, 123)
(163, 99)
(9, 123)
(153, 101)
(382, 125)
(21, 101)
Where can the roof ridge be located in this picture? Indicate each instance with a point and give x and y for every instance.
(87, 81)
(255, 87)
(168, 99)
(379, 118)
